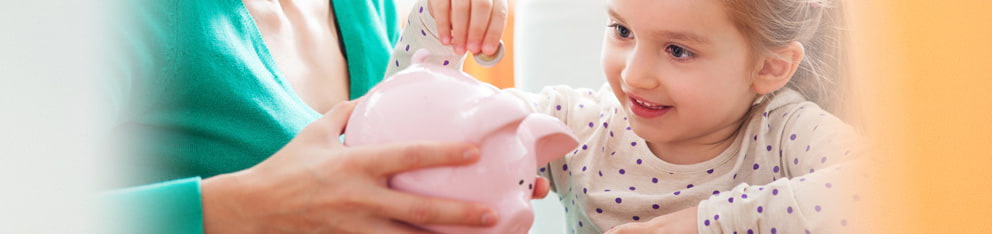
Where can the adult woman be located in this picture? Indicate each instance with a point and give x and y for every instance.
(215, 89)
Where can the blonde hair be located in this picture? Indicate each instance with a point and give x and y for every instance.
(818, 25)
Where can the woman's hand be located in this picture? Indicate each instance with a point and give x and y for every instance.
(472, 25)
(680, 222)
(316, 185)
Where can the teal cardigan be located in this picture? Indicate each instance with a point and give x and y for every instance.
(199, 95)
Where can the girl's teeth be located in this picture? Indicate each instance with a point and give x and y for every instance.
(642, 103)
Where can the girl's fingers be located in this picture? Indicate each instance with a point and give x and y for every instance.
(459, 24)
(541, 188)
(441, 10)
(490, 43)
(421, 210)
(478, 24)
(385, 160)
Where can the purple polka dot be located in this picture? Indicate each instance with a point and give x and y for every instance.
(706, 222)
(755, 137)
(591, 124)
(807, 148)
(606, 125)
(421, 9)
(655, 206)
(639, 161)
(583, 168)
(582, 106)
(775, 169)
(792, 137)
(446, 62)
(580, 223)
(829, 185)
(789, 210)
(677, 193)
(749, 231)
(407, 47)
(633, 143)
(622, 171)
(756, 166)
(716, 217)
(654, 180)
(710, 171)
(744, 196)
(823, 160)
(558, 107)
(584, 147)
(636, 218)
(731, 199)
(774, 192)
(397, 63)
(632, 188)
(628, 128)
(600, 173)
(689, 186)
(774, 231)
(761, 209)
(769, 148)
(564, 167)
(611, 133)
(543, 169)
(422, 32)
(818, 208)
(716, 192)
(618, 200)
(795, 161)
(599, 210)
(584, 190)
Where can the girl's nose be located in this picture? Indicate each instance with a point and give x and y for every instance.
(639, 72)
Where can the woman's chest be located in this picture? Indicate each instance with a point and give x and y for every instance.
(304, 42)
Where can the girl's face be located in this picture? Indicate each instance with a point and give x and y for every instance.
(680, 68)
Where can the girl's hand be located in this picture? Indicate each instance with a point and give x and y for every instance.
(316, 185)
(472, 25)
(680, 222)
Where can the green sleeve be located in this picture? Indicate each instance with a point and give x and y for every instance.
(167, 207)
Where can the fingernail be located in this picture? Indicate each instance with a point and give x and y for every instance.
(490, 49)
(446, 40)
(474, 47)
(471, 154)
(459, 49)
(488, 218)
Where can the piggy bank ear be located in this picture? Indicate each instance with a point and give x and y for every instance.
(546, 137)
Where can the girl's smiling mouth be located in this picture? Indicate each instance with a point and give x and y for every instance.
(646, 109)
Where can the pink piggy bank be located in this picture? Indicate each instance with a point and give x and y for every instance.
(432, 102)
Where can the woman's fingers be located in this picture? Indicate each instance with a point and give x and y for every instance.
(497, 22)
(330, 126)
(441, 10)
(478, 24)
(385, 160)
(541, 188)
(421, 210)
(459, 24)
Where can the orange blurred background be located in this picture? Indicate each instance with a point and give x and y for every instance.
(924, 70)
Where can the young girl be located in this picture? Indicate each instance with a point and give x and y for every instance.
(709, 122)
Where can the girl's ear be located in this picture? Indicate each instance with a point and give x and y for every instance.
(777, 69)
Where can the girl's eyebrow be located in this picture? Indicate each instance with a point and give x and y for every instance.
(613, 13)
(682, 36)
(665, 34)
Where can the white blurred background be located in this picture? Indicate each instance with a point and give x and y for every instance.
(50, 114)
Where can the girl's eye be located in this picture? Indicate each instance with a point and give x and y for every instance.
(621, 31)
(678, 52)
